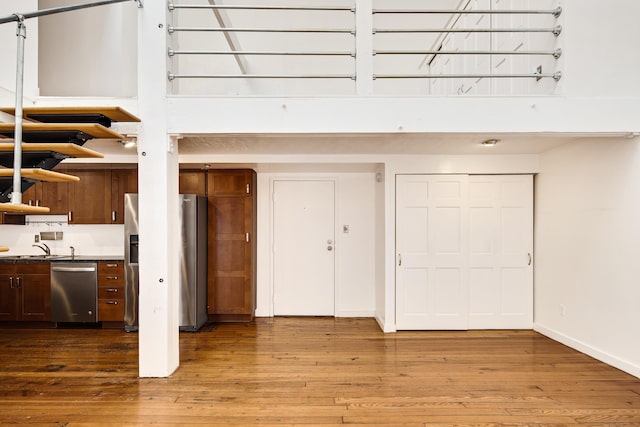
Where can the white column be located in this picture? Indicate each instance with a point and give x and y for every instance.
(158, 203)
(364, 47)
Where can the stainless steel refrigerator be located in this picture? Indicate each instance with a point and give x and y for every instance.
(193, 262)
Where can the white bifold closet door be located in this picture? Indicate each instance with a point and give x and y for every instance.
(464, 246)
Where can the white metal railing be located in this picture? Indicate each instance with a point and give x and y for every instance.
(413, 51)
(269, 43)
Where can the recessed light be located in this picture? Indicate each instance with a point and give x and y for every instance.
(489, 142)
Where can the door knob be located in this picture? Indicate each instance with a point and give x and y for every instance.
(329, 248)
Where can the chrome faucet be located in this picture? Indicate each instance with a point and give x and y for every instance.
(44, 247)
(73, 252)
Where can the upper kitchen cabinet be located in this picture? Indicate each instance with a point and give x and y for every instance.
(98, 198)
(122, 181)
(227, 183)
(90, 198)
(193, 182)
(54, 195)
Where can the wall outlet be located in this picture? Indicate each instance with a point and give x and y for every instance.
(36, 238)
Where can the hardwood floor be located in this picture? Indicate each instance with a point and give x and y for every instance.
(311, 371)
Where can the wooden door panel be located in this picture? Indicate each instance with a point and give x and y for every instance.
(122, 181)
(36, 297)
(90, 198)
(230, 255)
(8, 294)
(55, 196)
(229, 183)
(193, 182)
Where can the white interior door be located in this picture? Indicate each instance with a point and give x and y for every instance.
(431, 244)
(500, 252)
(303, 249)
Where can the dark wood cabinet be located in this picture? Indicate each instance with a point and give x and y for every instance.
(54, 195)
(122, 181)
(233, 182)
(25, 292)
(90, 198)
(111, 293)
(98, 198)
(232, 246)
(193, 182)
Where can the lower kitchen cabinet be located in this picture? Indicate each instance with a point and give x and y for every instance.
(25, 292)
(111, 293)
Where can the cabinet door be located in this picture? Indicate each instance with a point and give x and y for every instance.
(8, 294)
(36, 297)
(230, 256)
(193, 182)
(229, 183)
(122, 181)
(90, 198)
(34, 303)
(54, 195)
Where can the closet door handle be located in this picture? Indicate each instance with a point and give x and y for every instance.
(530, 259)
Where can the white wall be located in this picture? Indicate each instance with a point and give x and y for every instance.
(600, 48)
(8, 47)
(587, 246)
(89, 52)
(86, 239)
(355, 251)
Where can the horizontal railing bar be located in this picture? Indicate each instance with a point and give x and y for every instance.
(172, 76)
(254, 7)
(556, 76)
(257, 52)
(17, 16)
(264, 30)
(555, 53)
(555, 12)
(555, 30)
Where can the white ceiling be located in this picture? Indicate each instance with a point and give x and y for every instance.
(397, 143)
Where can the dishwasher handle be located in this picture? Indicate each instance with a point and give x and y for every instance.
(73, 269)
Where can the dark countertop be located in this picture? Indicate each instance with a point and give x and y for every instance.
(59, 258)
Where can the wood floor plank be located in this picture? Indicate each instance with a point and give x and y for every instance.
(313, 372)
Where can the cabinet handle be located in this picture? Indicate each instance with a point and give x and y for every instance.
(112, 302)
(112, 277)
(112, 290)
(113, 216)
(37, 202)
(10, 282)
(70, 216)
(18, 282)
(246, 237)
(112, 265)
(248, 188)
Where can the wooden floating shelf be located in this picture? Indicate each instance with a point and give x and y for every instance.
(41, 175)
(93, 129)
(68, 149)
(116, 114)
(25, 209)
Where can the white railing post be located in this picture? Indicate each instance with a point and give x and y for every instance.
(364, 47)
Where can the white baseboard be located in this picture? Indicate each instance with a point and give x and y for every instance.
(354, 313)
(596, 353)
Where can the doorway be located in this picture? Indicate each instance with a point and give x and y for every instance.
(304, 248)
(464, 252)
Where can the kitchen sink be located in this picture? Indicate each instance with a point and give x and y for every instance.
(44, 257)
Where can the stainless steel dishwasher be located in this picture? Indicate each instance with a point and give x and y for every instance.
(74, 292)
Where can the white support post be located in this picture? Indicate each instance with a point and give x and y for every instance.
(21, 34)
(158, 203)
(364, 47)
